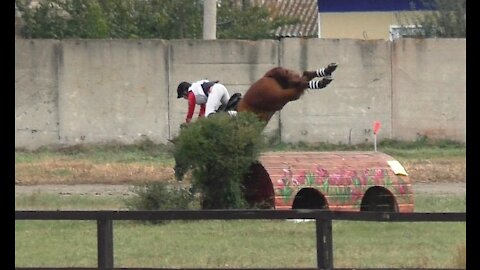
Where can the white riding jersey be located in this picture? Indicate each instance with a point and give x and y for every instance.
(196, 88)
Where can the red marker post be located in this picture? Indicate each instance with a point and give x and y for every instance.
(376, 127)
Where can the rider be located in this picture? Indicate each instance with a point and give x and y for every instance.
(210, 95)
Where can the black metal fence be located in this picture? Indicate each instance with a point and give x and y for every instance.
(323, 219)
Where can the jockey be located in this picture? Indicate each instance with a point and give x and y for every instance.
(210, 95)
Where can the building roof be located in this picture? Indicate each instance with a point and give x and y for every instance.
(305, 10)
(326, 6)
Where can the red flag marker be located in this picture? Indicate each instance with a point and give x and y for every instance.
(376, 126)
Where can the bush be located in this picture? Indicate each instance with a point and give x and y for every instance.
(160, 196)
(219, 151)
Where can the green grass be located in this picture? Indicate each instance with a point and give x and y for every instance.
(375, 244)
(440, 203)
(422, 148)
(145, 151)
(148, 152)
(46, 201)
(239, 244)
(223, 244)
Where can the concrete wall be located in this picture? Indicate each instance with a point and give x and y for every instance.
(74, 91)
(36, 92)
(429, 88)
(113, 90)
(345, 110)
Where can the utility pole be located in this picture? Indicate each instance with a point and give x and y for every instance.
(210, 19)
(319, 25)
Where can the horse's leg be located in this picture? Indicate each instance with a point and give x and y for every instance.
(321, 72)
(302, 84)
(321, 83)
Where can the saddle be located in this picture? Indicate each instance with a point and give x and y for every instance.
(232, 103)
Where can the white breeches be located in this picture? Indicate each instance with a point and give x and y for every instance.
(218, 96)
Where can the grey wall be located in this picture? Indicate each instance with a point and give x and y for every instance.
(429, 88)
(74, 91)
(36, 92)
(112, 90)
(344, 111)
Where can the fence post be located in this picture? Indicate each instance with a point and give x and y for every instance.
(324, 243)
(105, 243)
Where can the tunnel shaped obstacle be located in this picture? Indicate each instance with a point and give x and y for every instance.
(341, 180)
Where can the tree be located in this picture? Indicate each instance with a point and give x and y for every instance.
(163, 19)
(447, 19)
(59, 19)
(248, 22)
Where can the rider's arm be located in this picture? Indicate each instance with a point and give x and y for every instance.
(202, 110)
(191, 106)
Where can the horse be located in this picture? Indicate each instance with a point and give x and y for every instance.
(276, 88)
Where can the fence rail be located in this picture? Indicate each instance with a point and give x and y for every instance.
(323, 220)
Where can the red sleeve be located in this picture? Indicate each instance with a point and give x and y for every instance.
(202, 110)
(191, 106)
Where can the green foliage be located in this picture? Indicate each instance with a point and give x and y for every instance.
(59, 19)
(219, 151)
(125, 19)
(448, 20)
(160, 196)
(250, 22)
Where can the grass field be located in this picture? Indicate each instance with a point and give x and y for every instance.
(224, 244)
(228, 244)
(425, 161)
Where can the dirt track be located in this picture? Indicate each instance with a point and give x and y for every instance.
(125, 190)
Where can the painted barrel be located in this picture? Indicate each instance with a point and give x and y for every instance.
(341, 180)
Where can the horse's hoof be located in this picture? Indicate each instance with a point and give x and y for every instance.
(327, 79)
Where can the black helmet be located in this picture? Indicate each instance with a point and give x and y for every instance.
(182, 89)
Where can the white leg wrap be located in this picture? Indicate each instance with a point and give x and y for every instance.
(313, 84)
(320, 72)
(320, 84)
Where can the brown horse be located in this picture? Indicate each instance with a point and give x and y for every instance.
(278, 87)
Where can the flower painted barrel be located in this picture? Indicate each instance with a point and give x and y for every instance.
(340, 180)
